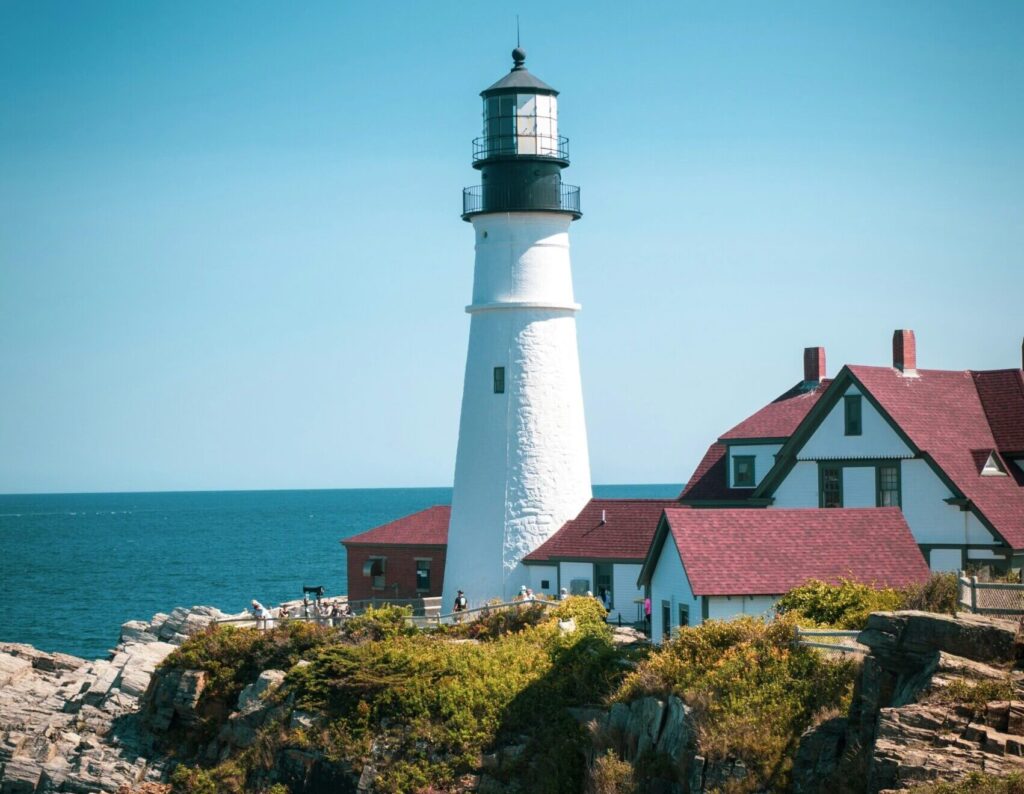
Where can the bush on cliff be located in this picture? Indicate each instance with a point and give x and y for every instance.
(847, 605)
(941, 593)
(234, 657)
(753, 692)
(382, 623)
(491, 624)
(436, 705)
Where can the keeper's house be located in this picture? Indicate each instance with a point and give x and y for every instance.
(400, 560)
(720, 564)
(945, 446)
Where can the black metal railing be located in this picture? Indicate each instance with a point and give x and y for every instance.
(555, 147)
(545, 197)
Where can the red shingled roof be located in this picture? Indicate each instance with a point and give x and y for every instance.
(426, 528)
(626, 533)
(780, 417)
(767, 552)
(711, 480)
(1001, 393)
(946, 415)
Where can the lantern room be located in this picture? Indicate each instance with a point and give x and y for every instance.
(520, 154)
(520, 117)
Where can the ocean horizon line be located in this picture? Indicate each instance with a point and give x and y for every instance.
(293, 490)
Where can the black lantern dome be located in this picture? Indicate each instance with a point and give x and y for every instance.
(520, 155)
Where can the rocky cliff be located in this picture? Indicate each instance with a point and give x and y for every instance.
(69, 725)
(938, 697)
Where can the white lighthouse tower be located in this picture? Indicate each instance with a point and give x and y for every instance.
(522, 468)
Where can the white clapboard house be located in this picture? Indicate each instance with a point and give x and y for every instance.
(880, 475)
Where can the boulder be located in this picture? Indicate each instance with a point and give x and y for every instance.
(252, 696)
(911, 635)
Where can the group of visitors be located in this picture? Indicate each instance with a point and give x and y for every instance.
(323, 612)
(525, 594)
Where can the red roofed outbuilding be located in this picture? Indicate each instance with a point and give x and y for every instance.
(718, 564)
(401, 559)
(600, 550)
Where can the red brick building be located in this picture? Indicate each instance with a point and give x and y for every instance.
(403, 559)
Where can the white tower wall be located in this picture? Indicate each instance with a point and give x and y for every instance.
(522, 467)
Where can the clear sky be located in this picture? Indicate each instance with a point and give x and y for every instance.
(231, 253)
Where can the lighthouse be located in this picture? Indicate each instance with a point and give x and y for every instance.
(522, 467)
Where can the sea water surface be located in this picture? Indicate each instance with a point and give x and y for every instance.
(74, 567)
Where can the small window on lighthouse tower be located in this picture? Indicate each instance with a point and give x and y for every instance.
(499, 380)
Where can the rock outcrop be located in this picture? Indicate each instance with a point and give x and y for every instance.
(68, 724)
(919, 712)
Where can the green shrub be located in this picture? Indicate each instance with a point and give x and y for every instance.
(611, 775)
(489, 625)
(588, 612)
(752, 690)
(941, 593)
(974, 783)
(227, 778)
(382, 623)
(234, 657)
(975, 694)
(846, 605)
(438, 704)
(434, 704)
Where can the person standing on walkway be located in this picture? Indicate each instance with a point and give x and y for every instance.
(261, 614)
(460, 606)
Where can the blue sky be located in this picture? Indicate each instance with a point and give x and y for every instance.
(231, 253)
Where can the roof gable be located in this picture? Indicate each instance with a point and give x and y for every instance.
(767, 552)
(878, 438)
(939, 414)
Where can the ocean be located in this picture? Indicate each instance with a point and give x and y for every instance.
(74, 567)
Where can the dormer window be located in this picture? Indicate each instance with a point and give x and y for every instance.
(743, 471)
(852, 412)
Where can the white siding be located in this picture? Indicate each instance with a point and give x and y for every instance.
(800, 488)
(577, 570)
(729, 607)
(669, 583)
(521, 465)
(877, 439)
(930, 518)
(625, 592)
(859, 486)
(764, 459)
(540, 573)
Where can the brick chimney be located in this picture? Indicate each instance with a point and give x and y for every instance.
(814, 364)
(904, 352)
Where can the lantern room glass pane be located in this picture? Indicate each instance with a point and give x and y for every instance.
(521, 124)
